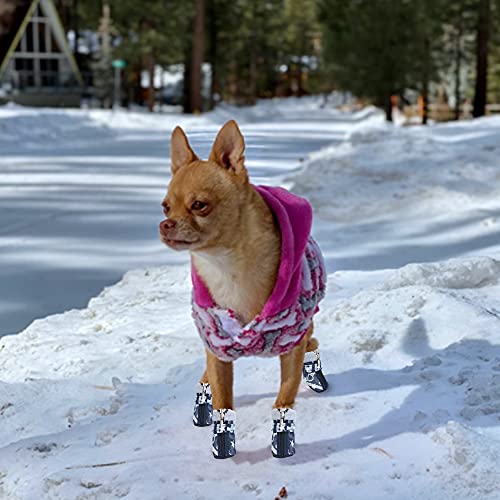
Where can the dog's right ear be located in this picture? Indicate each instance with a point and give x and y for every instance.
(180, 151)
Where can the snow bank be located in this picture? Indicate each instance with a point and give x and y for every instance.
(415, 171)
(51, 128)
(35, 127)
(387, 196)
(292, 108)
(97, 402)
(471, 464)
(455, 273)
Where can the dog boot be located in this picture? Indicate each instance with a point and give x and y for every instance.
(312, 373)
(202, 414)
(283, 440)
(223, 439)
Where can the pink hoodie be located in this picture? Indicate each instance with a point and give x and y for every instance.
(288, 312)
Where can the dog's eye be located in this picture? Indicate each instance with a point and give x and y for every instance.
(199, 205)
(166, 208)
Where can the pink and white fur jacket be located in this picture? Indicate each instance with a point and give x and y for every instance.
(288, 312)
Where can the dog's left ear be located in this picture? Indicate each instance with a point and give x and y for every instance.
(228, 150)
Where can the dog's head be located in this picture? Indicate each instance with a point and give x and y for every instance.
(204, 198)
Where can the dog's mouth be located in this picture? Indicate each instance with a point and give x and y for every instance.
(176, 243)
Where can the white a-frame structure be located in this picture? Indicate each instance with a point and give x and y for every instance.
(38, 57)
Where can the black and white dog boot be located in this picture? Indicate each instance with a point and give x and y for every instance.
(283, 440)
(312, 373)
(223, 439)
(202, 414)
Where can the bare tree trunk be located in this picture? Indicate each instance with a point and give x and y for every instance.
(75, 25)
(300, 69)
(458, 64)
(151, 90)
(483, 32)
(133, 85)
(234, 81)
(197, 56)
(186, 89)
(252, 70)
(300, 78)
(289, 79)
(425, 82)
(214, 84)
(106, 76)
(388, 108)
(425, 102)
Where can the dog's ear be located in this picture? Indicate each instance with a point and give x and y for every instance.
(228, 150)
(180, 151)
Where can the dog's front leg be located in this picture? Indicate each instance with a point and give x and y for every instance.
(202, 413)
(283, 438)
(220, 376)
(204, 377)
(291, 373)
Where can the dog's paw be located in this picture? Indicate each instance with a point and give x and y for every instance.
(312, 372)
(202, 413)
(283, 438)
(223, 438)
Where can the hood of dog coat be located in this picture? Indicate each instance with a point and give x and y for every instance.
(294, 217)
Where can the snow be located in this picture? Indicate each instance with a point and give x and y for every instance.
(96, 402)
(80, 191)
(415, 370)
(389, 196)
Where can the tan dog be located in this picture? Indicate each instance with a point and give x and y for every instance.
(214, 212)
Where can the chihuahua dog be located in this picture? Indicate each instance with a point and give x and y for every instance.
(257, 275)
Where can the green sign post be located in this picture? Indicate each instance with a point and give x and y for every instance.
(118, 64)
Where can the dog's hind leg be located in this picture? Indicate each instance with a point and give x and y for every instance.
(312, 344)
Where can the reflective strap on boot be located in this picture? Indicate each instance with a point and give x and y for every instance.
(203, 394)
(312, 362)
(283, 419)
(224, 420)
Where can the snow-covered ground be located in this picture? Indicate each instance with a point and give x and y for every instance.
(80, 191)
(96, 403)
(388, 196)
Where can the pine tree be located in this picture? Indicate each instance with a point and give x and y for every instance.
(368, 45)
(457, 49)
(150, 34)
(246, 47)
(197, 56)
(494, 55)
(482, 42)
(302, 25)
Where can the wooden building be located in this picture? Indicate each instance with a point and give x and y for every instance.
(37, 66)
